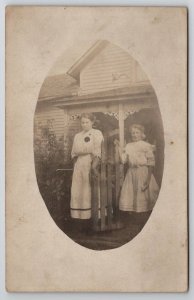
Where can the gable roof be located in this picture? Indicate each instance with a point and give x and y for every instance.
(74, 71)
(58, 85)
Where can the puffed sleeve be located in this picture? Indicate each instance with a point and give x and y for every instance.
(98, 138)
(150, 155)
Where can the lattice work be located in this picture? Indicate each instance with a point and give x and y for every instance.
(116, 114)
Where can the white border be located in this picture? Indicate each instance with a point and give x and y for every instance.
(3, 293)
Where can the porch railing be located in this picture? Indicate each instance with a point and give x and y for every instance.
(105, 193)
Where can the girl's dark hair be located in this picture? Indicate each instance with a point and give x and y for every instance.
(89, 116)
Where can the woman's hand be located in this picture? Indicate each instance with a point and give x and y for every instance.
(74, 159)
(118, 146)
(117, 143)
(85, 152)
(95, 167)
(145, 186)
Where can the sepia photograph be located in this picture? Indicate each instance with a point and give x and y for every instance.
(99, 146)
(96, 149)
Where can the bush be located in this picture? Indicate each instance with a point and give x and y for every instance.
(49, 156)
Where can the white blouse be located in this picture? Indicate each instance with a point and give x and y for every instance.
(139, 154)
(87, 142)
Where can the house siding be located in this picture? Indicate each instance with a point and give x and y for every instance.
(64, 127)
(112, 68)
(54, 116)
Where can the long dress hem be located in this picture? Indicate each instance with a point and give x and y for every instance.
(84, 143)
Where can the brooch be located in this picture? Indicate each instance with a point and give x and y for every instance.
(87, 139)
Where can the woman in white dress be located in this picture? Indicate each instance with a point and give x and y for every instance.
(140, 190)
(86, 147)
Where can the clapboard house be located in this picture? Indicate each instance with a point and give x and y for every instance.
(108, 82)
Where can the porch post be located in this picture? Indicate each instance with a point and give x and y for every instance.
(121, 125)
(65, 134)
(121, 138)
(118, 166)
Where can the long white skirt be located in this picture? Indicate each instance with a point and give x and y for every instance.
(132, 197)
(80, 203)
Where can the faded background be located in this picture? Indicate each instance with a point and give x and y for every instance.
(39, 256)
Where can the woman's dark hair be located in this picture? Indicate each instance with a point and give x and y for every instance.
(89, 116)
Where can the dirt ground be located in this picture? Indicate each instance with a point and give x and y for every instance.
(82, 233)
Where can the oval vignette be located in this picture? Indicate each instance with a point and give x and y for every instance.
(104, 82)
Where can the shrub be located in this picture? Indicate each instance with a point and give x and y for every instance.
(49, 156)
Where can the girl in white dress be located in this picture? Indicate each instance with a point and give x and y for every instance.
(86, 147)
(140, 190)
